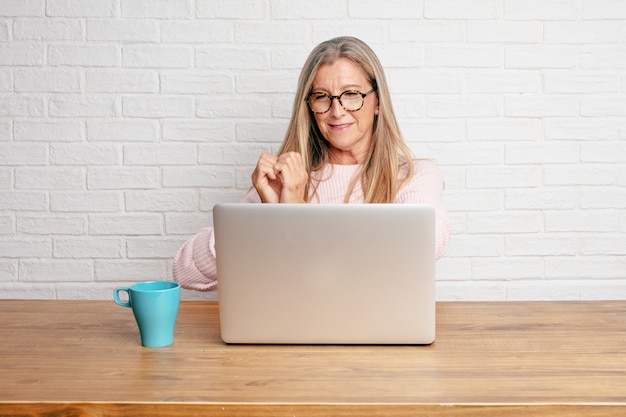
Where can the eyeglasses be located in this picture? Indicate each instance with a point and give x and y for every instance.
(350, 100)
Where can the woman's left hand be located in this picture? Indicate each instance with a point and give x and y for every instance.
(291, 171)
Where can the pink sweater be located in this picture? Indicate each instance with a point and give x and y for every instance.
(194, 264)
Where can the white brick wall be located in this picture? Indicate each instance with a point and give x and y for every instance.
(123, 122)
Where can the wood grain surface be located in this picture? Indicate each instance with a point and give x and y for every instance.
(84, 358)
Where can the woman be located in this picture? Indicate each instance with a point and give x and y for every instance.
(343, 145)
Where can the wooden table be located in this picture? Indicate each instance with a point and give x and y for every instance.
(490, 359)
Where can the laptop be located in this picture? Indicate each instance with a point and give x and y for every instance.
(326, 273)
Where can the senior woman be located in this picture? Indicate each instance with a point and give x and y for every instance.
(343, 145)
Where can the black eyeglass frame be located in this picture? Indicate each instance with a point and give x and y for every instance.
(363, 95)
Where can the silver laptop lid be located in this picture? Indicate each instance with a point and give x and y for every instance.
(326, 273)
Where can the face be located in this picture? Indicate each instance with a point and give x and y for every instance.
(348, 133)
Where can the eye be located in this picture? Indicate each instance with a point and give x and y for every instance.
(351, 95)
(318, 96)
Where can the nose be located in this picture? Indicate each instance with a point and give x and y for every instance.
(336, 109)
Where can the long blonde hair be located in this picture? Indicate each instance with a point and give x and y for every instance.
(388, 157)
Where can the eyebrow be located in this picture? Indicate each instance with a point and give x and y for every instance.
(343, 88)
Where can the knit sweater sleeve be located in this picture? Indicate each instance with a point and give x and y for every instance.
(195, 263)
(426, 187)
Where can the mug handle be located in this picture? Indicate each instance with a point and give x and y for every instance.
(116, 296)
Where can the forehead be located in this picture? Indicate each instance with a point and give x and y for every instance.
(339, 74)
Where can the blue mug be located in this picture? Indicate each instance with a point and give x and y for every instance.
(155, 307)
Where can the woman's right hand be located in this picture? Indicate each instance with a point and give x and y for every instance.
(280, 179)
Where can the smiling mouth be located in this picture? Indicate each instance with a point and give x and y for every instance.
(343, 126)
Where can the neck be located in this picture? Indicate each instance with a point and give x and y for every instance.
(346, 158)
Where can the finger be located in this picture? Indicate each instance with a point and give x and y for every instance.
(292, 162)
(265, 166)
(264, 179)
